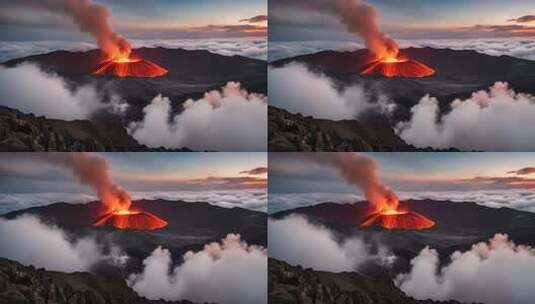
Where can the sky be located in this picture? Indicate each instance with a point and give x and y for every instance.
(294, 173)
(30, 173)
(141, 19)
(408, 19)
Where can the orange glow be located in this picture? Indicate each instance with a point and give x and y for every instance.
(131, 219)
(131, 67)
(398, 219)
(393, 65)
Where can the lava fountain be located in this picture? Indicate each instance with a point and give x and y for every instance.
(395, 65)
(131, 219)
(398, 219)
(130, 66)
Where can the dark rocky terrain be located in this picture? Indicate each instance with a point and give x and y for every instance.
(190, 75)
(295, 132)
(293, 284)
(190, 226)
(458, 75)
(27, 132)
(458, 226)
(27, 285)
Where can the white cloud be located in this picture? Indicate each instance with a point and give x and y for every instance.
(498, 119)
(248, 47)
(31, 242)
(515, 47)
(495, 272)
(519, 199)
(294, 88)
(30, 90)
(251, 199)
(297, 241)
(231, 119)
(226, 272)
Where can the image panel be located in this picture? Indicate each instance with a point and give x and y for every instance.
(133, 228)
(373, 75)
(95, 75)
(401, 227)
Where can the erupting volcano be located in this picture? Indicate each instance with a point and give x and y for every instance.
(130, 66)
(398, 219)
(128, 219)
(398, 66)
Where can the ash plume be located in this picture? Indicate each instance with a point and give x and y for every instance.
(361, 18)
(94, 171)
(91, 18)
(360, 171)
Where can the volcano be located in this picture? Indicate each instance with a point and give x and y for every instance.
(407, 220)
(136, 220)
(131, 67)
(398, 67)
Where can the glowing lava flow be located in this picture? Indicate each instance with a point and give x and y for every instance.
(398, 219)
(131, 219)
(131, 67)
(397, 66)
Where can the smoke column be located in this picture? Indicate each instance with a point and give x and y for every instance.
(361, 171)
(93, 171)
(91, 18)
(361, 18)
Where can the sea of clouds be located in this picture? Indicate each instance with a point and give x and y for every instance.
(523, 200)
(248, 199)
(516, 47)
(249, 47)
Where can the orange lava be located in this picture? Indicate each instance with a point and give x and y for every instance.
(397, 66)
(131, 67)
(127, 219)
(398, 219)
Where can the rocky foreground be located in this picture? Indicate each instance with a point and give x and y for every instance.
(26, 284)
(293, 284)
(295, 132)
(20, 132)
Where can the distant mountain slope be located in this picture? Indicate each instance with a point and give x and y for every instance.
(26, 284)
(191, 225)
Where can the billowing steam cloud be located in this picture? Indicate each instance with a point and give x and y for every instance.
(230, 119)
(91, 18)
(60, 102)
(497, 119)
(495, 272)
(295, 88)
(361, 171)
(226, 272)
(296, 241)
(93, 171)
(361, 18)
(29, 241)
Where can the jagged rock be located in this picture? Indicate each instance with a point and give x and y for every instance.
(293, 284)
(26, 284)
(22, 132)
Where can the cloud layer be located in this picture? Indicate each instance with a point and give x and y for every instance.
(23, 87)
(249, 199)
(495, 272)
(298, 90)
(31, 242)
(515, 47)
(498, 119)
(249, 47)
(519, 199)
(231, 119)
(227, 272)
(297, 241)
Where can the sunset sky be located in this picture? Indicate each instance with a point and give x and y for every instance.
(28, 172)
(411, 172)
(294, 20)
(139, 19)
